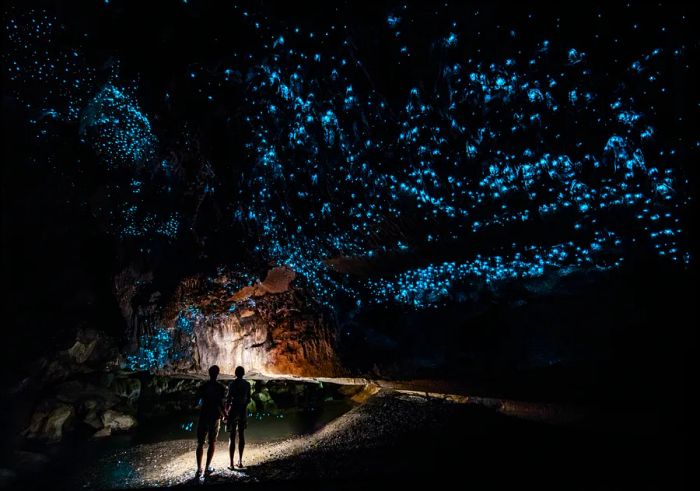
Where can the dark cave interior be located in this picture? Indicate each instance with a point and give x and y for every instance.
(477, 218)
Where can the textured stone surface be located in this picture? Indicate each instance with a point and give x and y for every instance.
(102, 433)
(278, 280)
(93, 420)
(127, 288)
(50, 421)
(279, 341)
(80, 351)
(117, 421)
(270, 327)
(128, 388)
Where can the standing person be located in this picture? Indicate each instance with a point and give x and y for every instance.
(212, 395)
(236, 405)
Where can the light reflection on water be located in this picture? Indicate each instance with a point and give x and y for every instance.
(262, 427)
(126, 460)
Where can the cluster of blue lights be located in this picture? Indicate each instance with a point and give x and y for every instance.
(155, 351)
(108, 117)
(165, 345)
(339, 171)
(61, 76)
(117, 128)
(479, 154)
(187, 319)
(132, 222)
(433, 285)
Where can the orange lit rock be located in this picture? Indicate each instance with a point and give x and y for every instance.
(278, 280)
(270, 328)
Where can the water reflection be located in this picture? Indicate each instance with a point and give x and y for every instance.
(163, 447)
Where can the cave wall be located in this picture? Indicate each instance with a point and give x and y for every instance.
(270, 327)
(296, 344)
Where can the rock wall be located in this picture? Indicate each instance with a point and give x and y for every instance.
(287, 342)
(228, 342)
(270, 327)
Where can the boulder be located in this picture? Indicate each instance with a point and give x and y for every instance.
(90, 413)
(80, 352)
(90, 405)
(264, 402)
(58, 421)
(50, 421)
(102, 433)
(368, 391)
(252, 407)
(93, 420)
(118, 421)
(92, 348)
(350, 390)
(36, 424)
(263, 396)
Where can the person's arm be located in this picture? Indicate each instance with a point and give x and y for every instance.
(229, 399)
(198, 395)
(247, 395)
(222, 403)
(229, 394)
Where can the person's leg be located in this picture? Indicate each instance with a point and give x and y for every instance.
(213, 433)
(201, 435)
(198, 453)
(210, 452)
(241, 441)
(232, 444)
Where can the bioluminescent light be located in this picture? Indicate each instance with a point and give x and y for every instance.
(494, 170)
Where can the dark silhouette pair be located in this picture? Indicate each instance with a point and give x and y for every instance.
(219, 404)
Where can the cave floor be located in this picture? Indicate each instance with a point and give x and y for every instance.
(412, 440)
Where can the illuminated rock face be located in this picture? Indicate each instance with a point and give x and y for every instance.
(229, 342)
(292, 345)
(276, 335)
(269, 327)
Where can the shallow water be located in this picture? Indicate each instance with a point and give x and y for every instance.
(124, 460)
(262, 427)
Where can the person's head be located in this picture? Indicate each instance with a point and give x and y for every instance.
(240, 371)
(213, 372)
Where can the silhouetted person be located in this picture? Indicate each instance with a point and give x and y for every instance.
(212, 395)
(237, 409)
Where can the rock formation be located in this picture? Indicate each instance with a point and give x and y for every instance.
(270, 327)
